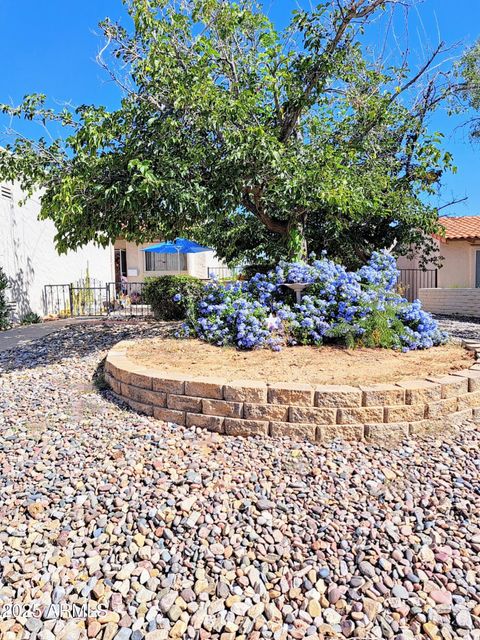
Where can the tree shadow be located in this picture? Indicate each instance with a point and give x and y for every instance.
(19, 286)
(81, 340)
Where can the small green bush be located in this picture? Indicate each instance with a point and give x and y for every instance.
(4, 313)
(31, 318)
(172, 297)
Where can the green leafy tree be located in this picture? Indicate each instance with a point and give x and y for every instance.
(258, 143)
(469, 88)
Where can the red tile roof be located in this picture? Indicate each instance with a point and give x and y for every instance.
(461, 227)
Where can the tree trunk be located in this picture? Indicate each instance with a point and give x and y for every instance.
(296, 241)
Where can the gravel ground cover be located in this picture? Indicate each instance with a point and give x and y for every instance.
(181, 533)
(459, 327)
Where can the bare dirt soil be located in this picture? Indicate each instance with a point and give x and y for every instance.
(318, 365)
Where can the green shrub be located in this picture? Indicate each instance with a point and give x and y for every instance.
(31, 318)
(172, 297)
(4, 313)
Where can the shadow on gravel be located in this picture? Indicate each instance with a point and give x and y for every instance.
(103, 389)
(79, 341)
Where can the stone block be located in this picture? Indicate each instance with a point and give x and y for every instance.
(404, 413)
(109, 366)
(313, 415)
(245, 391)
(156, 398)
(376, 395)
(341, 431)
(238, 427)
(169, 415)
(128, 373)
(113, 383)
(428, 427)
(296, 431)
(473, 377)
(268, 412)
(184, 403)
(451, 385)
(386, 434)
(338, 396)
(291, 394)
(469, 400)
(168, 384)
(140, 407)
(361, 415)
(222, 408)
(441, 408)
(420, 391)
(212, 423)
(459, 417)
(204, 388)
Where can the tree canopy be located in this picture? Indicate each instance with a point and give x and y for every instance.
(469, 70)
(256, 142)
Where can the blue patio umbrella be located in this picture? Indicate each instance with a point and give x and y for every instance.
(178, 246)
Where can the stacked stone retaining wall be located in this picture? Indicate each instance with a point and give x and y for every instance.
(379, 413)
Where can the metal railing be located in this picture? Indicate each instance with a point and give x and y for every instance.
(126, 300)
(411, 280)
(56, 300)
(223, 273)
(114, 299)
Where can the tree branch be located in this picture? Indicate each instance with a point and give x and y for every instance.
(251, 200)
(357, 10)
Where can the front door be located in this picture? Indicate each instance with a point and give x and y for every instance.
(477, 269)
(120, 268)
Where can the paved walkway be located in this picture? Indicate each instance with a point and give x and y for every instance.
(24, 334)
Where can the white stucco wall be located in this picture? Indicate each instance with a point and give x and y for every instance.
(30, 260)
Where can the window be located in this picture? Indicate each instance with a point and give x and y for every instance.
(165, 262)
(5, 192)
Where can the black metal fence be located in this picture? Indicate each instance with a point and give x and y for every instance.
(114, 299)
(57, 300)
(125, 299)
(411, 280)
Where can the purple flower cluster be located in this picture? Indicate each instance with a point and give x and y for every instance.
(228, 316)
(338, 306)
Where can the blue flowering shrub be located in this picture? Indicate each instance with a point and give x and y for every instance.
(350, 308)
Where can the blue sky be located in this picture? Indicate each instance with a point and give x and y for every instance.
(49, 46)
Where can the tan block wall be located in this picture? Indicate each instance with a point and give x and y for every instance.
(464, 302)
(382, 413)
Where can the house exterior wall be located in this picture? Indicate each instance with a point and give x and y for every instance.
(30, 260)
(458, 266)
(463, 302)
(198, 264)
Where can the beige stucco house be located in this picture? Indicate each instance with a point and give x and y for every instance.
(460, 250)
(134, 265)
(457, 289)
